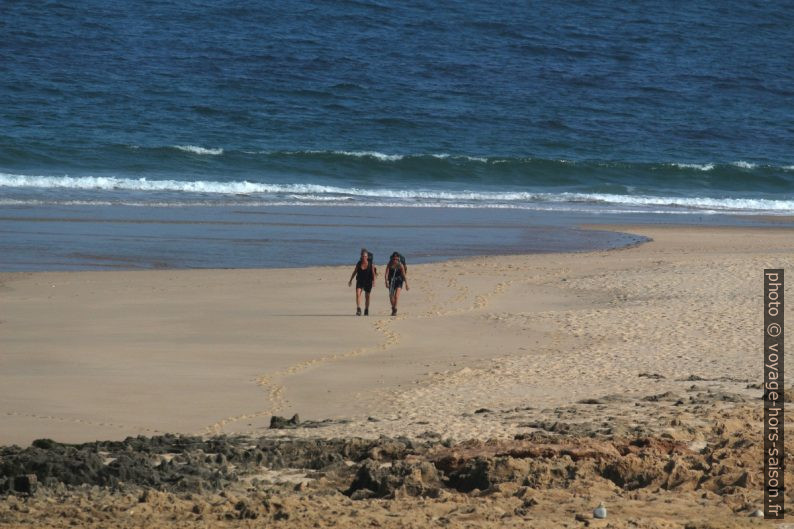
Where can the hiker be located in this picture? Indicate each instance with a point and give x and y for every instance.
(365, 273)
(395, 277)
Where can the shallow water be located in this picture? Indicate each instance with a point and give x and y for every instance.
(122, 237)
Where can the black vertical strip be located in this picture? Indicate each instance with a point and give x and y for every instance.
(774, 389)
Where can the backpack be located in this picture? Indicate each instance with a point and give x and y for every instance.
(402, 260)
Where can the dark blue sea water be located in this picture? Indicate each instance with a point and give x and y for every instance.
(628, 106)
(574, 107)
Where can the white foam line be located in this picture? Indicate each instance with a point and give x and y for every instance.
(699, 167)
(316, 193)
(198, 150)
(372, 154)
(528, 207)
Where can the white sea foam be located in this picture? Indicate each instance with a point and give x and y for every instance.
(372, 154)
(198, 150)
(556, 207)
(588, 207)
(314, 193)
(724, 204)
(141, 184)
(445, 156)
(320, 198)
(383, 157)
(744, 165)
(698, 166)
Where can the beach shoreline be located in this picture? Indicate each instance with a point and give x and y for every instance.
(589, 198)
(526, 354)
(253, 329)
(118, 237)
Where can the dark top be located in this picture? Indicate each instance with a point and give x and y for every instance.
(364, 276)
(391, 271)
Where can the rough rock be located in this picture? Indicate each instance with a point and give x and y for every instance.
(280, 423)
(379, 480)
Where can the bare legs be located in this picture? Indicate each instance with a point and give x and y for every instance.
(358, 301)
(394, 298)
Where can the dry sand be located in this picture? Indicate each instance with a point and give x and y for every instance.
(483, 348)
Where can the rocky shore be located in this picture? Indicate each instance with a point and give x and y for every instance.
(694, 462)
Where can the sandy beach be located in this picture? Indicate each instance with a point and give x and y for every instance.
(587, 196)
(660, 341)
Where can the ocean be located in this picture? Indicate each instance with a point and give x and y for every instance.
(559, 110)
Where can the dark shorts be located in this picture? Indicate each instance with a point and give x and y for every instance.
(395, 284)
(366, 286)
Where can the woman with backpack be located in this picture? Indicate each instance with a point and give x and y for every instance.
(395, 277)
(365, 273)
